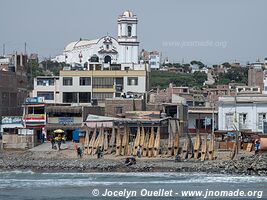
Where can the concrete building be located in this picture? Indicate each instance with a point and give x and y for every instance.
(200, 119)
(95, 83)
(243, 112)
(154, 60)
(13, 84)
(255, 77)
(119, 106)
(108, 49)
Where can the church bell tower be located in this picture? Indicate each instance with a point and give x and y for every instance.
(127, 37)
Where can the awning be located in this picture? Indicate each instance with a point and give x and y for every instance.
(63, 109)
(63, 127)
(99, 124)
(98, 118)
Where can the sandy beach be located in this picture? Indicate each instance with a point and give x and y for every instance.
(67, 161)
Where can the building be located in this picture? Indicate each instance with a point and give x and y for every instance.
(154, 60)
(243, 112)
(13, 84)
(119, 106)
(34, 115)
(107, 68)
(200, 119)
(255, 77)
(123, 49)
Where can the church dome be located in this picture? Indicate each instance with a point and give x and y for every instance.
(80, 43)
(127, 13)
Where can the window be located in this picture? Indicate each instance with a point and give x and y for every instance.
(84, 97)
(261, 119)
(107, 46)
(103, 82)
(132, 80)
(229, 120)
(85, 80)
(46, 95)
(243, 118)
(36, 110)
(118, 110)
(45, 82)
(67, 80)
(129, 31)
(69, 97)
(102, 95)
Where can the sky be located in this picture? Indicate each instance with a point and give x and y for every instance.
(212, 31)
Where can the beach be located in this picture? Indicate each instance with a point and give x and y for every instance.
(67, 161)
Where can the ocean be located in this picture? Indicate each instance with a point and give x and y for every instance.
(28, 185)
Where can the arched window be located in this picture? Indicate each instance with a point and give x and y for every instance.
(129, 31)
(107, 59)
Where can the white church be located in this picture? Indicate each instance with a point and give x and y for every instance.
(106, 49)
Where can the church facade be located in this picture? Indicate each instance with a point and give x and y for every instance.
(107, 49)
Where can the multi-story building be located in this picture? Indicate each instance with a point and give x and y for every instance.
(95, 83)
(243, 112)
(154, 60)
(13, 84)
(255, 77)
(102, 68)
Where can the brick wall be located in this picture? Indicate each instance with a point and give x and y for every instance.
(118, 106)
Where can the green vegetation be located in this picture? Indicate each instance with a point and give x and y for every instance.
(163, 79)
(44, 68)
(236, 75)
(199, 63)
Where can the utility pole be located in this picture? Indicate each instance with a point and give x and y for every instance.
(4, 49)
(25, 48)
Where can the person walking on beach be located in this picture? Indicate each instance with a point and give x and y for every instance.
(98, 152)
(53, 142)
(257, 147)
(139, 152)
(79, 152)
(59, 140)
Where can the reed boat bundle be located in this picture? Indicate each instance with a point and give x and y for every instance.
(187, 148)
(142, 138)
(211, 148)
(101, 141)
(176, 139)
(112, 141)
(170, 141)
(151, 142)
(190, 147)
(118, 142)
(86, 140)
(204, 149)
(125, 140)
(106, 142)
(137, 141)
(97, 142)
(145, 146)
(197, 146)
(92, 141)
(157, 142)
(130, 149)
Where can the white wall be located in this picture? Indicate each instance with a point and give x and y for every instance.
(140, 88)
(251, 109)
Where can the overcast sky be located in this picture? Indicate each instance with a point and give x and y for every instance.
(212, 31)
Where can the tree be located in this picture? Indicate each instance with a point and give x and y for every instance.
(199, 63)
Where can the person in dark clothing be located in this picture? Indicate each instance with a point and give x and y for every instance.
(127, 161)
(177, 158)
(79, 152)
(98, 152)
(53, 142)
